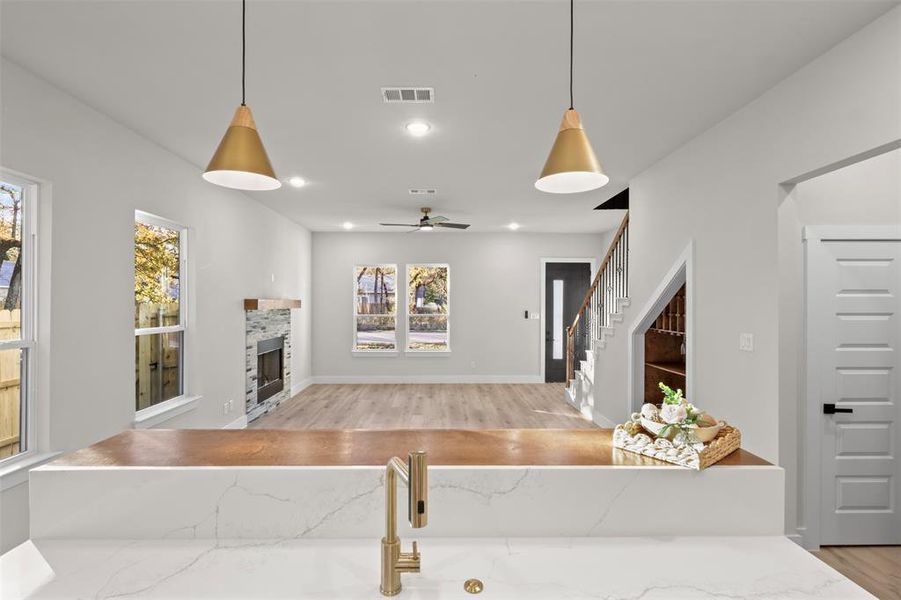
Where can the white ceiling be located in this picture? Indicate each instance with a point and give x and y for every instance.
(649, 76)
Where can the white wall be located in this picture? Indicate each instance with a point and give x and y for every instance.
(721, 190)
(495, 277)
(100, 173)
(865, 193)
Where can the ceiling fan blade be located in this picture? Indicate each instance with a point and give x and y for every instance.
(437, 219)
(453, 225)
(399, 224)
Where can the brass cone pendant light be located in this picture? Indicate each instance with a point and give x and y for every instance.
(240, 161)
(571, 166)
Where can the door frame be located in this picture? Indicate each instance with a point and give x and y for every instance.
(811, 447)
(680, 273)
(542, 271)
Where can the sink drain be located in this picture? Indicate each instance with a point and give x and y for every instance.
(473, 586)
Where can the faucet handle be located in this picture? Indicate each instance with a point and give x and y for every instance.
(408, 562)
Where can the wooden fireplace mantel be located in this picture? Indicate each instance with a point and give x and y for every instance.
(270, 303)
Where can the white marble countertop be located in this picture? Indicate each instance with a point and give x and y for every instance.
(517, 568)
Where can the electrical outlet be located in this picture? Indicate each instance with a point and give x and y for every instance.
(472, 364)
(746, 342)
(225, 408)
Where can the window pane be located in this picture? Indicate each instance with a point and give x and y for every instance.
(156, 276)
(376, 333)
(10, 260)
(428, 333)
(427, 290)
(558, 320)
(376, 290)
(158, 365)
(428, 307)
(12, 405)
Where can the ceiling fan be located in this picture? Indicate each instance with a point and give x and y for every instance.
(427, 223)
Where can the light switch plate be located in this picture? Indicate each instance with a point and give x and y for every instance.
(746, 342)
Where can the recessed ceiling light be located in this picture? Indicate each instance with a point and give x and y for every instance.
(297, 182)
(417, 128)
(513, 226)
(347, 225)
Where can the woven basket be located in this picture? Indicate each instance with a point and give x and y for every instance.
(727, 441)
(697, 457)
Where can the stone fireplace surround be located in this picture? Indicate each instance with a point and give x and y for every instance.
(262, 323)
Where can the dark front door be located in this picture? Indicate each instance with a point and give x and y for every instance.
(565, 286)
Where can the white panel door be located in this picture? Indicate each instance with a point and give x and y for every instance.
(853, 291)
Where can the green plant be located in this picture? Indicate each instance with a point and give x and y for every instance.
(679, 414)
(670, 396)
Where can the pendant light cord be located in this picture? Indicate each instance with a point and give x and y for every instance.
(571, 28)
(243, 48)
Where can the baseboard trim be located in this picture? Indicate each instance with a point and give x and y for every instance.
(427, 379)
(239, 423)
(800, 538)
(301, 386)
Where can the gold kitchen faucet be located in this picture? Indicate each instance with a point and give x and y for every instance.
(415, 475)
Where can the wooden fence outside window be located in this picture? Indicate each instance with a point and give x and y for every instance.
(10, 385)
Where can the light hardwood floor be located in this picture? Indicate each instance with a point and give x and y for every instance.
(876, 569)
(433, 406)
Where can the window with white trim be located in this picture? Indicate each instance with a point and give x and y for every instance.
(159, 310)
(375, 308)
(18, 204)
(428, 308)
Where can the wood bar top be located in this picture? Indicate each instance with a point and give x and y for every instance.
(355, 447)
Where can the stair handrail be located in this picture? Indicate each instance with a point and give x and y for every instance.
(618, 237)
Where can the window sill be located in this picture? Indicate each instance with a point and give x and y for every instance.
(164, 411)
(16, 472)
(374, 352)
(427, 352)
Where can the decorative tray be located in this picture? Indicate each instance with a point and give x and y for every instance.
(631, 437)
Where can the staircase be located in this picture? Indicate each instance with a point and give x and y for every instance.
(596, 321)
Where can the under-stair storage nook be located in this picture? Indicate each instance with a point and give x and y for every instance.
(664, 349)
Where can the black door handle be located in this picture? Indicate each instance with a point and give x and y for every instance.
(829, 409)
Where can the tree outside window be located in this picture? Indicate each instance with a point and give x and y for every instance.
(375, 308)
(158, 318)
(428, 308)
(16, 338)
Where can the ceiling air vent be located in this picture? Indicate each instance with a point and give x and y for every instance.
(408, 94)
(423, 191)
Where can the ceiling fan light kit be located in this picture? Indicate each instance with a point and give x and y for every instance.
(571, 165)
(240, 162)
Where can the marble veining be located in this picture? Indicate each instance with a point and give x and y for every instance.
(347, 502)
(753, 568)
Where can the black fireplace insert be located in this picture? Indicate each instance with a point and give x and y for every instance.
(270, 367)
